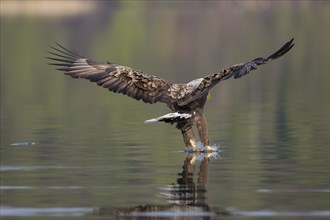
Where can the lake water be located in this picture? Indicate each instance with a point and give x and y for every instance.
(72, 150)
(105, 171)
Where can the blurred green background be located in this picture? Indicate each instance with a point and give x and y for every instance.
(279, 112)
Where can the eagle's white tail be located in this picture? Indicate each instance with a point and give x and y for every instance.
(170, 118)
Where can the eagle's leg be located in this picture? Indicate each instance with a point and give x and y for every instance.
(202, 131)
(189, 138)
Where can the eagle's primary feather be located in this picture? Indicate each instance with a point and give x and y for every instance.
(116, 78)
(182, 99)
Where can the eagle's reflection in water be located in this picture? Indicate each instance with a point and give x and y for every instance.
(186, 197)
(188, 190)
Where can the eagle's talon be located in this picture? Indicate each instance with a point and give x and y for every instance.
(209, 149)
(193, 146)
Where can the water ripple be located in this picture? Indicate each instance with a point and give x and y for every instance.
(28, 168)
(15, 212)
(269, 213)
(293, 190)
(33, 187)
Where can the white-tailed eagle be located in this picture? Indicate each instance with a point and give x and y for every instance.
(186, 101)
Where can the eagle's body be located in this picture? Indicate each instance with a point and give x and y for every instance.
(186, 101)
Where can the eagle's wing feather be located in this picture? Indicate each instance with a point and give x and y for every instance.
(116, 78)
(235, 71)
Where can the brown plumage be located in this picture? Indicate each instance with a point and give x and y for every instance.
(185, 100)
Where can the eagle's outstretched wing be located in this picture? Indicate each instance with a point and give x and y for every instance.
(235, 71)
(116, 78)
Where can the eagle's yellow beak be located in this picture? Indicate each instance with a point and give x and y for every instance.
(208, 96)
